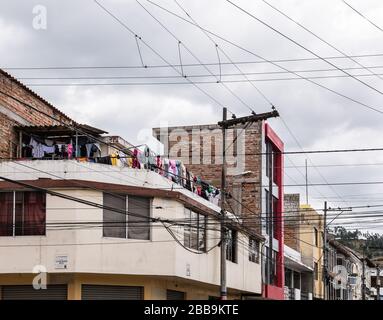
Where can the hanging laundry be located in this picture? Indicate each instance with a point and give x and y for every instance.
(136, 163)
(38, 149)
(49, 142)
(88, 147)
(166, 168)
(173, 170)
(48, 150)
(95, 150)
(187, 181)
(113, 158)
(152, 161)
(183, 175)
(129, 162)
(159, 165)
(123, 158)
(70, 151)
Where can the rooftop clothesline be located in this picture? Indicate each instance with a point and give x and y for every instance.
(130, 157)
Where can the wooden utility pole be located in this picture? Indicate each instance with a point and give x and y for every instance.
(226, 124)
(325, 251)
(223, 212)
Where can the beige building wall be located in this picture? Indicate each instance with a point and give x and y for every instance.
(311, 236)
(155, 288)
(88, 252)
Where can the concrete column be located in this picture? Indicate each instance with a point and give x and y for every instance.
(74, 289)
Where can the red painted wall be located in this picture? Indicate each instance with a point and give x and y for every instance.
(276, 291)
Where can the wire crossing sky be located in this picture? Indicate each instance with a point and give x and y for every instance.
(89, 66)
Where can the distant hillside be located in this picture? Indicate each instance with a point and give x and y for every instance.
(370, 244)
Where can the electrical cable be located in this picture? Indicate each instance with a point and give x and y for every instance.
(320, 38)
(271, 62)
(363, 16)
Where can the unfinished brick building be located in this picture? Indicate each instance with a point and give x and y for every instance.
(254, 179)
(14, 98)
(292, 220)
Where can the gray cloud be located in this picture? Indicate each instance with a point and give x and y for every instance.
(80, 34)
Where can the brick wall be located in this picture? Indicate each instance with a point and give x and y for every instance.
(200, 148)
(14, 113)
(291, 222)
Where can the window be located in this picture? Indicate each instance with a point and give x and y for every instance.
(274, 264)
(316, 237)
(268, 159)
(130, 219)
(253, 250)
(268, 211)
(231, 245)
(22, 213)
(114, 222)
(271, 162)
(276, 220)
(316, 271)
(138, 218)
(195, 230)
(175, 295)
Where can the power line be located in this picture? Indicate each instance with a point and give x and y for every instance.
(300, 45)
(163, 83)
(124, 25)
(316, 169)
(363, 16)
(310, 209)
(211, 75)
(190, 64)
(271, 62)
(192, 54)
(226, 55)
(320, 38)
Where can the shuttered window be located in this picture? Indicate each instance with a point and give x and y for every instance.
(138, 219)
(114, 223)
(100, 292)
(175, 295)
(27, 292)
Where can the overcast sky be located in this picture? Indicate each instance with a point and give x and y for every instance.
(80, 33)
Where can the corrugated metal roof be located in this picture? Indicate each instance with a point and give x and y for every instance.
(59, 129)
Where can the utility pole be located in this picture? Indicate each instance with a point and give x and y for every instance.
(325, 251)
(307, 185)
(226, 124)
(363, 278)
(377, 282)
(223, 212)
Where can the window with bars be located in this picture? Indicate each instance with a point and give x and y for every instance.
(22, 213)
(128, 216)
(195, 230)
